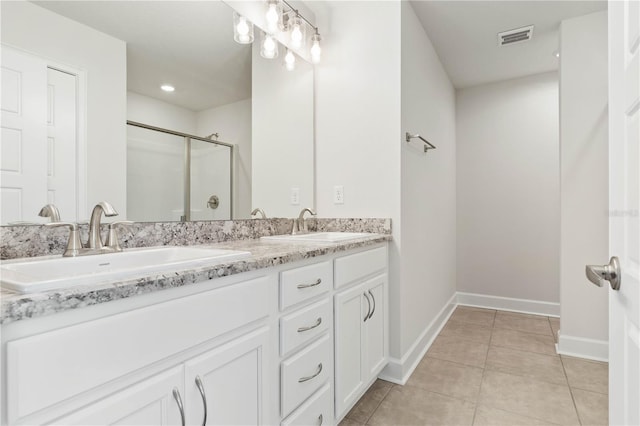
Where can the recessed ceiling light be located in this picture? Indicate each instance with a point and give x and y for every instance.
(167, 88)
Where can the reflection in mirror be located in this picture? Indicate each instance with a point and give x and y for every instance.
(118, 55)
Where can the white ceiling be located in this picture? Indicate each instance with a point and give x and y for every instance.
(188, 44)
(464, 33)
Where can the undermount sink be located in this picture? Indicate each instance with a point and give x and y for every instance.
(56, 273)
(321, 237)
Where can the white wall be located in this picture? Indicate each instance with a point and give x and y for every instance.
(147, 110)
(358, 123)
(368, 93)
(282, 135)
(508, 189)
(584, 183)
(428, 185)
(103, 58)
(233, 123)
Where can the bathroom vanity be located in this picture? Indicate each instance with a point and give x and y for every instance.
(293, 334)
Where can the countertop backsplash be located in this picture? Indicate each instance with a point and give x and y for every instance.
(38, 240)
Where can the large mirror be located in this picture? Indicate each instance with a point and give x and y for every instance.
(236, 133)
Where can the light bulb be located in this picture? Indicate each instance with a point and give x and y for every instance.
(269, 47)
(296, 35)
(272, 17)
(290, 60)
(315, 50)
(242, 29)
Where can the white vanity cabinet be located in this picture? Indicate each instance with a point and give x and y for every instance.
(150, 402)
(119, 363)
(295, 344)
(361, 325)
(231, 381)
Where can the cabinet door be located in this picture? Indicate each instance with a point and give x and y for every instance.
(233, 381)
(351, 307)
(150, 402)
(375, 352)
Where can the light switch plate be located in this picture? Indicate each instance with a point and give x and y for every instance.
(338, 194)
(295, 196)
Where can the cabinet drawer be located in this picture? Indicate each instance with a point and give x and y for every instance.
(315, 411)
(303, 373)
(45, 369)
(300, 284)
(355, 266)
(304, 324)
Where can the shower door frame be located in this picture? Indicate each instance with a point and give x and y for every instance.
(187, 164)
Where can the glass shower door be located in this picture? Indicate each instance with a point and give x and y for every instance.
(155, 175)
(210, 176)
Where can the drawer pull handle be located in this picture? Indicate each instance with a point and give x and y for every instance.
(320, 419)
(374, 304)
(176, 396)
(311, 327)
(366, 316)
(204, 398)
(317, 282)
(316, 374)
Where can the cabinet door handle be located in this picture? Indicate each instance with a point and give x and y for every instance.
(176, 396)
(320, 419)
(366, 316)
(204, 398)
(313, 284)
(311, 327)
(374, 304)
(316, 374)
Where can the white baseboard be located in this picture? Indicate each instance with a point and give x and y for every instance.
(580, 347)
(399, 370)
(526, 306)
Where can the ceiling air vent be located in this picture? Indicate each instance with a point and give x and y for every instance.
(515, 36)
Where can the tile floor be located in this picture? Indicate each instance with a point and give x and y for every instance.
(491, 367)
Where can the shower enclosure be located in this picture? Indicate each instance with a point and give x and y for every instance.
(174, 176)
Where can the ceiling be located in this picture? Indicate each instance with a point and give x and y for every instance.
(188, 44)
(464, 33)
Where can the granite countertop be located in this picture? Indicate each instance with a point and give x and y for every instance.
(264, 254)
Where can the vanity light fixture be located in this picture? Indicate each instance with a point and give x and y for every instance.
(297, 32)
(167, 88)
(242, 29)
(276, 19)
(269, 48)
(556, 53)
(315, 50)
(273, 16)
(290, 60)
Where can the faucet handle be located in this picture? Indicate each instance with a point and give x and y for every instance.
(50, 211)
(74, 245)
(112, 237)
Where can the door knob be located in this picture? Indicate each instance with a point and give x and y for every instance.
(598, 274)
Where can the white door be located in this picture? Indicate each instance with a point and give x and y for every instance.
(151, 402)
(375, 333)
(351, 309)
(231, 380)
(23, 143)
(624, 222)
(61, 143)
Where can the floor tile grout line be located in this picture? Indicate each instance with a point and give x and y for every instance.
(378, 405)
(573, 399)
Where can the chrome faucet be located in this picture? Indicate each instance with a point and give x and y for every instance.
(299, 224)
(50, 211)
(259, 211)
(95, 239)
